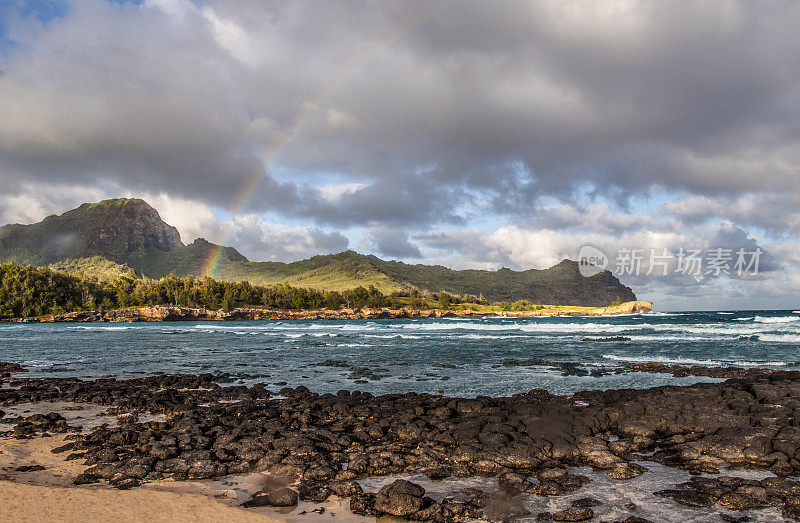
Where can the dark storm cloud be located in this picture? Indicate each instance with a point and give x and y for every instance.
(507, 104)
(737, 239)
(412, 199)
(394, 243)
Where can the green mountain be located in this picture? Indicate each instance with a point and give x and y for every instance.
(111, 236)
(124, 231)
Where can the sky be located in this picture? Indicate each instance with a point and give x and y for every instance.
(471, 134)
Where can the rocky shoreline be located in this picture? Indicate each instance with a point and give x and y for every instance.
(168, 313)
(324, 444)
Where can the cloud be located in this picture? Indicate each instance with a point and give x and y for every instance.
(275, 242)
(26, 202)
(192, 219)
(520, 248)
(543, 123)
(394, 243)
(541, 98)
(776, 212)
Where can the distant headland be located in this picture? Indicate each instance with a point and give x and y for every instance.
(127, 239)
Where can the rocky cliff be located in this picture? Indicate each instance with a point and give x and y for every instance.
(115, 229)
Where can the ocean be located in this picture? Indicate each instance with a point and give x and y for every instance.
(457, 357)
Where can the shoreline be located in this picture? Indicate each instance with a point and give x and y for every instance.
(169, 313)
(538, 449)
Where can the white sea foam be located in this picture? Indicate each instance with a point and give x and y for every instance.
(692, 331)
(692, 361)
(457, 326)
(660, 359)
(100, 328)
(491, 336)
(393, 336)
(206, 326)
(579, 328)
(776, 319)
(726, 313)
(716, 329)
(537, 327)
(38, 363)
(780, 338)
(779, 329)
(358, 327)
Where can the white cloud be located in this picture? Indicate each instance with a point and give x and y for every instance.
(333, 193)
(30, 203)
(236, 40)
(265, 241)
(192, 219)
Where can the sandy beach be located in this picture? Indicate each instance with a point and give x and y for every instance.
(49, 494)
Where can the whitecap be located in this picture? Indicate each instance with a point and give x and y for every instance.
(98, 328)
(780, 338)
(776, 319)
(393, 336)
(692, 361)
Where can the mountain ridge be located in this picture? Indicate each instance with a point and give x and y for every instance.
(131, 233)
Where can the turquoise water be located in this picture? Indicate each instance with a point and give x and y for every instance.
(462, 357)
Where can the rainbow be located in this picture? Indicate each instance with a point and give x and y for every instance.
(305, 115)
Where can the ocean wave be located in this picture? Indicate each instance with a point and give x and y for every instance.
(726, 313)
(99, 328)
(491, 336)
(732, 330)
(537, 327)
(748, 318)
(393, 336)
(780, 338)
(41, 363)
(357, 327)
(457, 326)
(222, 328)
(776, 319)
(692, 331)
(579, 328)
(729, 330)
(692, 361)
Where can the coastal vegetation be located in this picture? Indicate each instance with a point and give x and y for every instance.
(37, 291)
